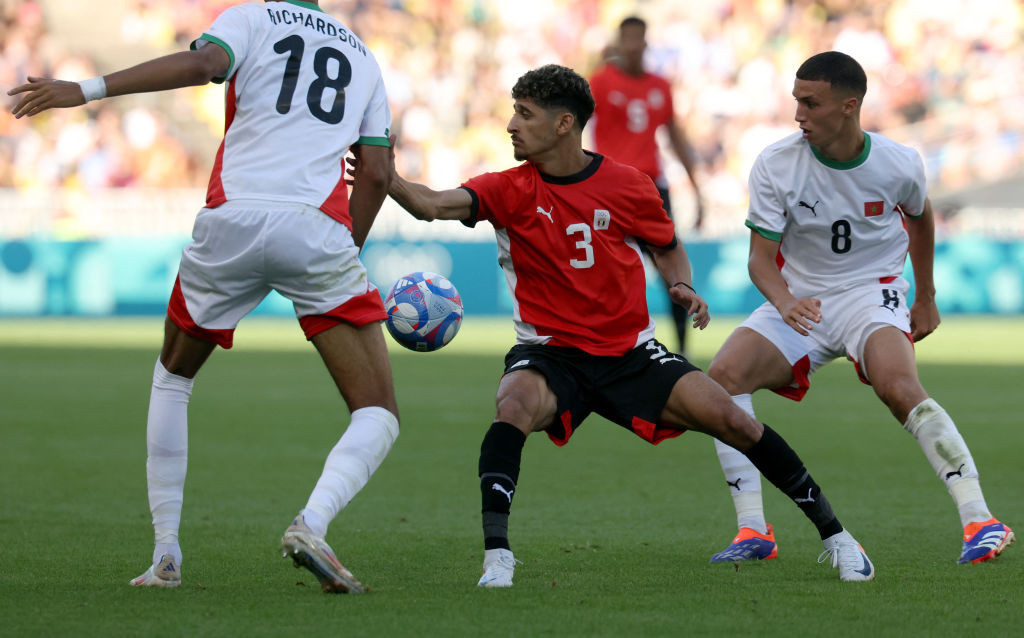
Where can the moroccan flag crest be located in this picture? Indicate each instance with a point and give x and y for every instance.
(873, 209)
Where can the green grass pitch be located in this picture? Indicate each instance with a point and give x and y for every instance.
(614, 534)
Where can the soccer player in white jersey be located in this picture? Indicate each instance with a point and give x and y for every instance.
(833, 214)
(568, 223)
(302, 90)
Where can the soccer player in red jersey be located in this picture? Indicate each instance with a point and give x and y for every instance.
(631, 105)
(568, 223)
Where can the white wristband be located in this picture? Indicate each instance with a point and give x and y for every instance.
(94, 88)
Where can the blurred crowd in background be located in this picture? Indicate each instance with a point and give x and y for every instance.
(944, 76)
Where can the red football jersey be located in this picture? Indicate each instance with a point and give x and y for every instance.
(629, 110)
(568, 248)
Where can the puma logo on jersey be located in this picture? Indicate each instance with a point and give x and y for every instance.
(809, 207)
(735, 483)
(508, 493)
(957, 472)
(809, 499)
(547, 213)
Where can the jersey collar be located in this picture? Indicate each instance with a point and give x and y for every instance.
(575, 178)
(305, 5)
(844, 166)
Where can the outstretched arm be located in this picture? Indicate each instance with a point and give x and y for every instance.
(187, 68)
(684, 151)
(800, 314)
(427, 204)
(924, 313)
(674, 265)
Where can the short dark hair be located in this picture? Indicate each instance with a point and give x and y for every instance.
(554, 86)
(838, 69)
(633, 21)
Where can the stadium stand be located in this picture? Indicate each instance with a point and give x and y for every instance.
(945, 77)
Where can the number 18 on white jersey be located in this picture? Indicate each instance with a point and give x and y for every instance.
(301, 89)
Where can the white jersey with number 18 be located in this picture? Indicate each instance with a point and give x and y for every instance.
(302, 89)
(840, 223)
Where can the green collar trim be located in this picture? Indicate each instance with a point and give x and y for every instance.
(305, 5)
(844, 166)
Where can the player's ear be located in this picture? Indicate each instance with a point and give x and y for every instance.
(850, 105)
(565, 123)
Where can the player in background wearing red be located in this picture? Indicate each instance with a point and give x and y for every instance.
(301, 90)
(567, 223)
(632, 105)
(833, 214)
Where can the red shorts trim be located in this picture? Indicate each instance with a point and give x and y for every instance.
(653, 433)
(177, 311)
(801, 379)
(561, 438)
(357, 311)
(650, 432)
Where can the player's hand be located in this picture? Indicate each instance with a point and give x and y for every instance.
(924, 318)
(42, 94)
(801, 314)
(694, 304)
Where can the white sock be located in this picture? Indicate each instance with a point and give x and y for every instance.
(743, 478)
(167, 457)
(948, 454)
(350, 465)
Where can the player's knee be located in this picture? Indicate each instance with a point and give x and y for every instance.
(900, 394)
(733, 426)
(519, 410)
(726, 376)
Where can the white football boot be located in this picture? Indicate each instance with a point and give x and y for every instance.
(164, 574)
(499, 564)
(308, 550)
(847, 554)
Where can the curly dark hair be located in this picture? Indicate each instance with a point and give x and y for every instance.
(838, 69)
(554, 86)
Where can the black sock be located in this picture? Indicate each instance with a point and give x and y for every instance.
(500, 454)
(784, 469)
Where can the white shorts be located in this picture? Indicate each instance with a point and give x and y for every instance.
(240, 251)
(848, 318)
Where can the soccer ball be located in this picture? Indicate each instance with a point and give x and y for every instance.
(424, 311)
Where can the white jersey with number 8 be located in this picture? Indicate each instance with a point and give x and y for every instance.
(301, 89)
(839, 222)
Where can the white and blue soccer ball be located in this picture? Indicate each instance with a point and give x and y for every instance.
(424, 311)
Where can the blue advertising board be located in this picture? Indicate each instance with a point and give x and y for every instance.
(129, 276)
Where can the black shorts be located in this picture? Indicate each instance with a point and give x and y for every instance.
(630, 390)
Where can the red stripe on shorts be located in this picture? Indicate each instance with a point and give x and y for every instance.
(653, 433)
(358, 311)
(563, 437)
(178, 313)
(801, 370)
